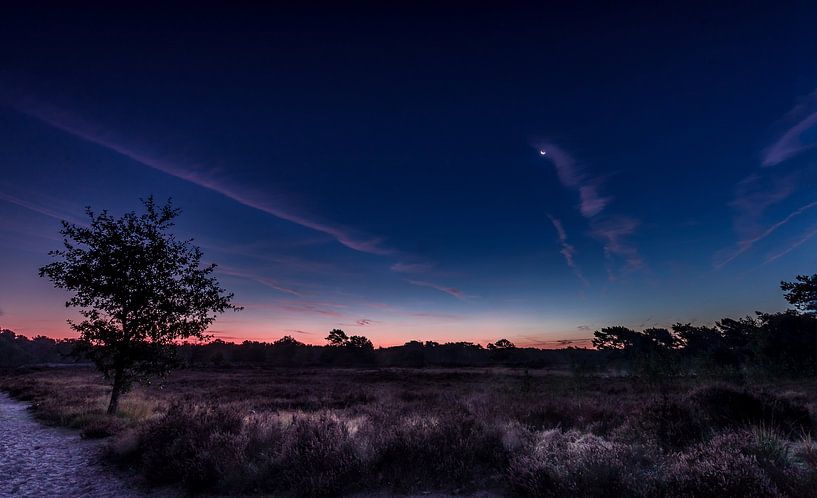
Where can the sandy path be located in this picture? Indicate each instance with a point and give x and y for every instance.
(36, 460)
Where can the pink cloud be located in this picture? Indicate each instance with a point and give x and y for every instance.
(270, 203)
(573, 176)
(794, 141)
(753, 195)
(448, 290)
(262, 253)
(311, 308)
(537, 342)
(746, 244)
(438, 316)
(567, 250)
(296, 331)
(37, 207)
(591, 203)
(569, 173)
(411, 267)
(756, 193)
(614, 232)
(805, 237)
(266, 281)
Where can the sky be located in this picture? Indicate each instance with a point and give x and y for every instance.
(451, 172)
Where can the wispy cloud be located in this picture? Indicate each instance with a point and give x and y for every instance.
(805, 237)
(262, 253)
(437, 316)
(759, 191)
(568, 251)
(266, 281)
(537, 342)
(744, 245)
(754, 195)
(36, 207)
(591, 202)
(411, 267)
(362, 322)
(296, 331)
(614, 232)
(448, 290)
(311, 307)
(573, 176)
(211, 179)
(799, 137)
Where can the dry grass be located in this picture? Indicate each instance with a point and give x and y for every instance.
(331, 432)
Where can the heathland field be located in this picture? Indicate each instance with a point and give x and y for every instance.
(504, 431)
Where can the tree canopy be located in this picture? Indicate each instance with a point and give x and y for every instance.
(139, 290)
(802, 293)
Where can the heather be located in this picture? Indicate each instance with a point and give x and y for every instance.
(329, 432)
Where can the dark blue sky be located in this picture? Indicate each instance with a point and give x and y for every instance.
(380, 168)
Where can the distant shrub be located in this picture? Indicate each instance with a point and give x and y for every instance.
(192, 444)
(726, 407)
(317, 457)
(571, 414)
(576, 464)
(99, 426)
(671, 423)
(444, 449)
(719, 467)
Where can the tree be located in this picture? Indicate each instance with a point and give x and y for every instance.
(139, 289)
(697, 340)
(616, 338)
(501, 344)
(501, 350)
(337, 337)
(802, 294)
(359, 342)
(650, 351)
(659, 338)
(288, 341)
(786, 343)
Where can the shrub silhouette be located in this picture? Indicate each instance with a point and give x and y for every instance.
(577, 464)
(192, 444)
(719, 467)
(802, 293)
(727, 407)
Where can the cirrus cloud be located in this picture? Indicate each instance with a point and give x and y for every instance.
(799, 137)
(276, 204)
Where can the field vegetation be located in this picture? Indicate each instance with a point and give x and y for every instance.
(334, 431)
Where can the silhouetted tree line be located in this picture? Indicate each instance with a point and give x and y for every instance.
(17, 350)
(359, 351)
(782, 343)
(778, 343)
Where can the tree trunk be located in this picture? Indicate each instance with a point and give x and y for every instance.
(118, 382)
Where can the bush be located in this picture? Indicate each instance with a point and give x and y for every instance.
(726, 407)
(576, 464)
(192, 444)
(318, 457)
(671, 423)
(720, 467)
(446, 449)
